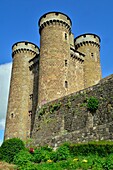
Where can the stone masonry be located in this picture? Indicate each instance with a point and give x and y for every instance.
(63, 65)
(68, 120)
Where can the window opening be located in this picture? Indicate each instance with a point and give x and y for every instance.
(65, 62)
(12, 115)
(66, 84)
(65, 36)
(31, 96)
(92, 55)
(30, 112)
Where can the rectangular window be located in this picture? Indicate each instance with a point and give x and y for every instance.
(31, 96)
(65, 36)
(65, 62)
(12, 115)
(92, 55)
(66, 84)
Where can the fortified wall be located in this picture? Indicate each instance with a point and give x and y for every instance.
(68, 119)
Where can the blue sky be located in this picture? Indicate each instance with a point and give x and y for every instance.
(19, 21)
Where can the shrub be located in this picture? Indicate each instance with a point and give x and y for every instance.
(23, 157)
(42, 154)
(101, 148)
(54, 107)
(42, 111)
(108, 165)
(62, 153)
(10, 148)
(28, 166)
(92, 104)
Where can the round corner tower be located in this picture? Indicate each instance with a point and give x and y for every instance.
(55, 30)
(18, 106)
(89, 44)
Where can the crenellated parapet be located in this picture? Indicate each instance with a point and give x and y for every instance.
(55, 18)
(25, 47)
(77, 55)
(87, 39)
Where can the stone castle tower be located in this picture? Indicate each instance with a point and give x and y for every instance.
(63, 65)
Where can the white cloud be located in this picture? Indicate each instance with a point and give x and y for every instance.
(5, 74)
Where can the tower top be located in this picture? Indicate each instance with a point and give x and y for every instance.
(54, 16)
(25, 45)
(87, 38)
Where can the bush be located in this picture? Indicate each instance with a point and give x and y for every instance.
(92, 104)
(108, 165)
(101, 148)
(62, 153)
(22, 158)
(42, 154)
(28, 166)
(10, 148)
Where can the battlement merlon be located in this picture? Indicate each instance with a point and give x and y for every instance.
(87, 38)
(51, 17)
(76, 54)
(25, 45)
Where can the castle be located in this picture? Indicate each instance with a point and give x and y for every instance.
(63, 65)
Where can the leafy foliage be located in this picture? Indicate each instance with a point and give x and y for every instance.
(51, 108)
(10, 148)
(108, 164)
(42, 111)
(92, 155)
(54, 107)
(28, 166)
(92, 104)
(42, 154)
(62, 153)
(101, 148)
(23, 157)
(93, 162)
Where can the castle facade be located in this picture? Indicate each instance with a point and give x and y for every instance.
(63, 65)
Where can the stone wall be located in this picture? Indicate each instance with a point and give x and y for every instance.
(68, 119)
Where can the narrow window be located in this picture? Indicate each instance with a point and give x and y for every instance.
(12, 115)
(30, 112)
(92, 55)
(31, 96)
(65, 36)
(66, 84)
(65, 62)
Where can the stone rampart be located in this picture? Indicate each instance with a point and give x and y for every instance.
(69, 120)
